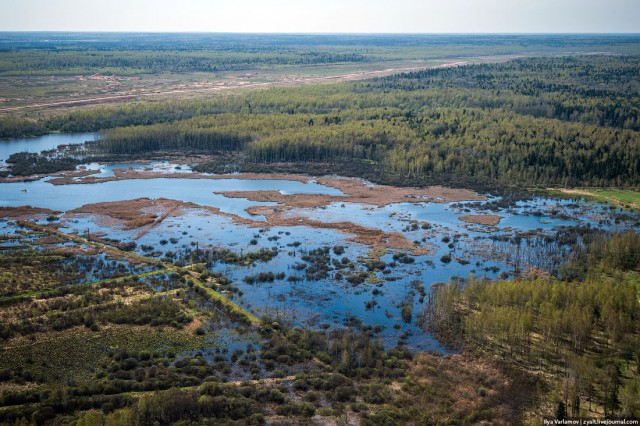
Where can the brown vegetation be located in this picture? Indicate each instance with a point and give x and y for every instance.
(378, 240)
(63, 178)
(149, 213)
(455, 386)
(481, 219)
(140, 213)
(135, 213)
(355, 190)
(24, 212)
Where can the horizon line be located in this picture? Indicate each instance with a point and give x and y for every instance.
(309, 33)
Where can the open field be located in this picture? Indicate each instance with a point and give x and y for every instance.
(627, 199)
(59, 94)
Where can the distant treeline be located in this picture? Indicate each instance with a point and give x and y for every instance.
(11, 41)
(79, 53)
(545, 121)
(128, 62)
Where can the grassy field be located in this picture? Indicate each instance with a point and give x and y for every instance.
(624, 198)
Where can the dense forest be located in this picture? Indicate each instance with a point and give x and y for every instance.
(598, 90)
(547, 121)
(490, 146)
(584, 331)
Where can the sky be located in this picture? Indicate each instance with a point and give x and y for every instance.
(324, 16)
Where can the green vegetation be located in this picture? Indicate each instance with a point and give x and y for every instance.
(227, 256)
(597, 90)
(93, 333)
(626, 199)
(154, 311)
(232, 309)
(141, 351)
(526, 122)
(582, 334)
(133, 350)
(129, 54)
(24, 271)
(25, 164)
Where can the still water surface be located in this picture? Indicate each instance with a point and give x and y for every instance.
(42, 143)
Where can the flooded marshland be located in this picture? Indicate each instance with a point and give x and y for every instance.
(320, 253)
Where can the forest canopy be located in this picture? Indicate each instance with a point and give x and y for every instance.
(542, 121)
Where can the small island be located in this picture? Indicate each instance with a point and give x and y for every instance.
(481, 219)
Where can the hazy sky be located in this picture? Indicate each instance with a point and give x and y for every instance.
(382, 16)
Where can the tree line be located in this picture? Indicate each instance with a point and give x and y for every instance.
(130, 54)
(485, 145)
(585, 334)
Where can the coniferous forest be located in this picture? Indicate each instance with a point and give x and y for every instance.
(565, 121)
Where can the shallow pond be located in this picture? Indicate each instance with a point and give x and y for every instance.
(107, 170)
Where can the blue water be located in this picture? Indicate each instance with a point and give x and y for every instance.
(200, 191)
(312, 303)
(107, 170)
(42, 143)
(330, 301)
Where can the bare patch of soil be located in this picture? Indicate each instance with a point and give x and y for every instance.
(50, 240)
(159, 89)
(194, 324)
(74, 250)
